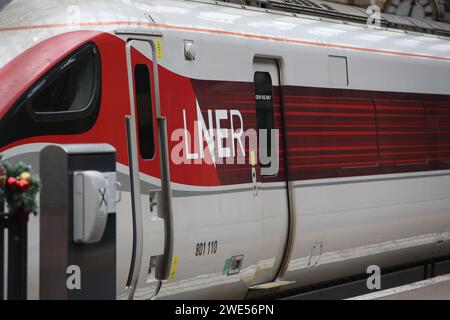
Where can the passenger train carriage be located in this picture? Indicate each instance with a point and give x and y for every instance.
(363, 119)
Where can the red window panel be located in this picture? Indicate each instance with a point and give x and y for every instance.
(329, 133)
(402, 132)
(438, 116)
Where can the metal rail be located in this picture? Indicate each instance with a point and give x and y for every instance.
(13, 278)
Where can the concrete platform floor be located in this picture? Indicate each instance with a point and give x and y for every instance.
(432, 289)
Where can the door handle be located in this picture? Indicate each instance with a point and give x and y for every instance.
(138, 231)
(153, 199)
(165, 262)
(118, 186)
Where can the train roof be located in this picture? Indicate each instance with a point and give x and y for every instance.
(301, 8)
(23, 23)
(345, 13)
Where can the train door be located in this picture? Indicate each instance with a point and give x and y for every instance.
(145, 153)
(274, 249)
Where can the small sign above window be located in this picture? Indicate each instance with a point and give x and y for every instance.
(338, 71)
(262, 97)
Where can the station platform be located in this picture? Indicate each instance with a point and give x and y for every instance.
(425, 281)
(437, 288)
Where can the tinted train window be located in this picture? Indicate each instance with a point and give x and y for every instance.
(264, 107)
(330, 134)
(144, 111)
(264, 101)
(71, 90)
(402, 132)
(438, 116)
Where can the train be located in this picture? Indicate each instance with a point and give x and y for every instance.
(357, 122)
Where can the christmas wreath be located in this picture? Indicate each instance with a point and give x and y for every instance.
(18, 188)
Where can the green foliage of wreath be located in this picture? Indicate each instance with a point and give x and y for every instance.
(18, 188)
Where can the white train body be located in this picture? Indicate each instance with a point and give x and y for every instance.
(329, 213)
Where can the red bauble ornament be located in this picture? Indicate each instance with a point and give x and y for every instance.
(12, 183)
(24, 185)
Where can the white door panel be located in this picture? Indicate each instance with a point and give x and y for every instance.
(233, 220)
(274, 202)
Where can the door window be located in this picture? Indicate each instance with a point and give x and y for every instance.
(144, 111)
(264, 109)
